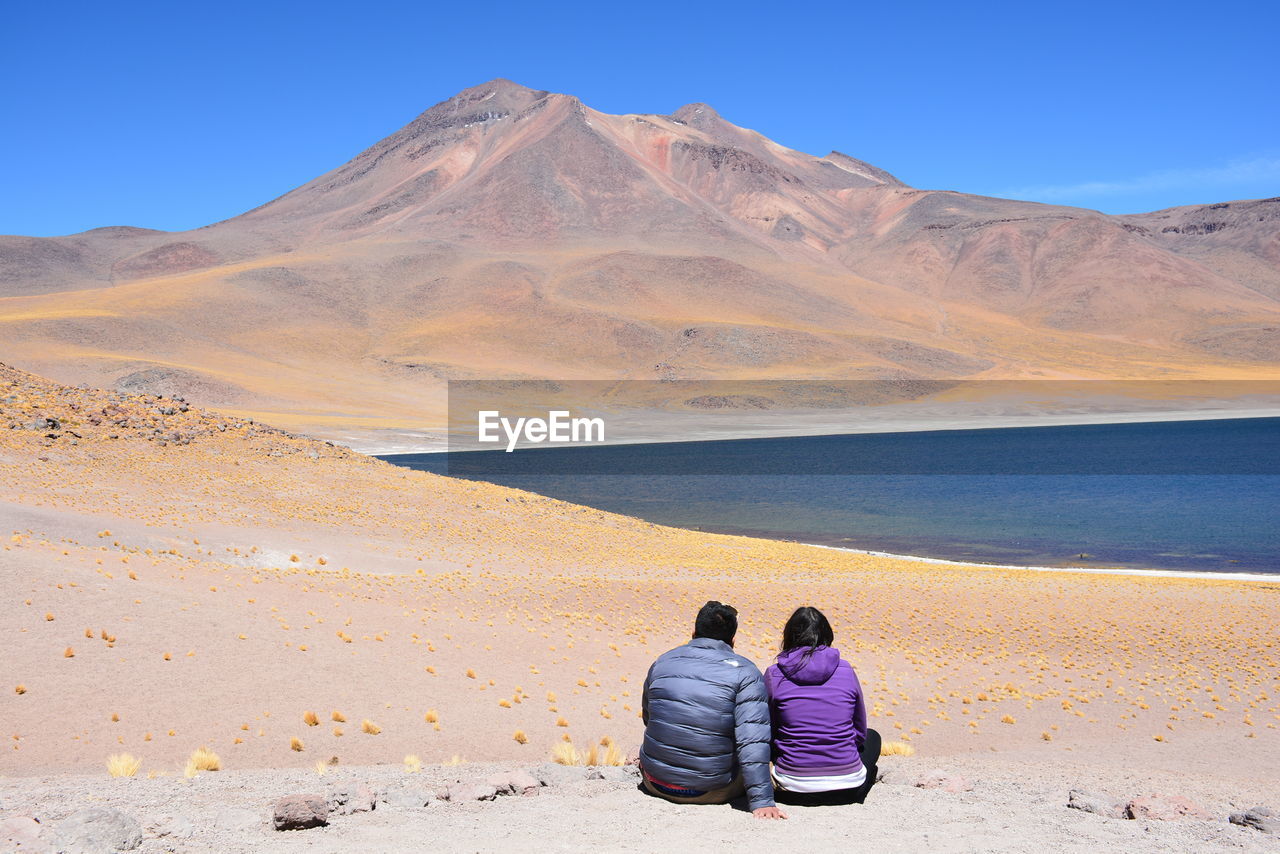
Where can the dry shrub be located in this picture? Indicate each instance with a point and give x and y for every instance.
(206, 760)
(370, 727)
(123, 765)
(520, 737)
(310, 719)
(896, 748)
(564, 753)
(338, 717)
(295, 744)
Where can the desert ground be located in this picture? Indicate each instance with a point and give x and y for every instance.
(175, 578)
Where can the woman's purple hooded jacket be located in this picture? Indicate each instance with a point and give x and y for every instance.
(819, 717)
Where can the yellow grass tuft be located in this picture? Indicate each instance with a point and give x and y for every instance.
(412, 764)
(1008, 719)
(471, 674)
(338, 717)
(613, 755)
(520, 737)
(20, 689)
(68, 653)
(561, 722)
(593, 756)
(321, 768)
(206, 760)
(432, 716)
(564, 753)
(123, 765)
(310, 719)
(370, 727)
(1045, 736)
(506, 704)
(295, 744)
(49, 617)
(456, 760)
(896, 748)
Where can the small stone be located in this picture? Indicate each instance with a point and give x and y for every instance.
(406, 799)
(501, 782)
(939, 779)
(1096, 804)
(1164, 808)
(554, 774)
(98, 829)
(178, 826)
(351, 799)
(524, 783)
(616, 773)
(298, 812)
(1259, 818)
(462, 792)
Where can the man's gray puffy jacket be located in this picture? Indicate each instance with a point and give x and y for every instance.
(706, 717)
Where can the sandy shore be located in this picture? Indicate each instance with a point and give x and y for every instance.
(200, 580)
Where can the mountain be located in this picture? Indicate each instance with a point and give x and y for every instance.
(509, 232)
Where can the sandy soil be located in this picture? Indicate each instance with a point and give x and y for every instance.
(199, 580)
(603, 809)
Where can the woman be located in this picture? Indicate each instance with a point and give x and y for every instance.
(823, 752)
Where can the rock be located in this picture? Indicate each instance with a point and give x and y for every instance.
(462, 792)
(178, 826)
(1259, 818)
(615, 773)
(298, 812)
(553, 774)
(939, 779)
(350, 799)
(501, 783)
(98, 829)
(23, 833)
(1096, 804)
(1164, 808)
(406, 799)
(524, 783)
(515, 783)
(593, 773)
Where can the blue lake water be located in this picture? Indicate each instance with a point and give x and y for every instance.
(1202, 495)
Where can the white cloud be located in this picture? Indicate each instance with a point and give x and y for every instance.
(1237, 172)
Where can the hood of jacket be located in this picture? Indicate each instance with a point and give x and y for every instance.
(809, 665)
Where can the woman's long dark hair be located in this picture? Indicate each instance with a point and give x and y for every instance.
(806, 628)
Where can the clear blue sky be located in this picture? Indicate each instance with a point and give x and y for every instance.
(175, 115)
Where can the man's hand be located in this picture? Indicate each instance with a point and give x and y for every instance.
(768, 812)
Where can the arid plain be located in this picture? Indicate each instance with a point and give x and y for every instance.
(174, 578)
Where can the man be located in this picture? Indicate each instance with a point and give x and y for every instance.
(706, 721)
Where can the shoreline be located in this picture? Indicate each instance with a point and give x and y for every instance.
(704, 432)
(1089, 570)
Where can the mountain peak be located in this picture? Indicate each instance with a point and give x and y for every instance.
(697, 115)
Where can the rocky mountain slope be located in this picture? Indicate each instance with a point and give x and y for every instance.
(509, 232)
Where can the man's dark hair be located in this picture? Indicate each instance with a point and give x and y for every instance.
(716, 621)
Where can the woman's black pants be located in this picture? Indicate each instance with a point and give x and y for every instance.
(870, 752)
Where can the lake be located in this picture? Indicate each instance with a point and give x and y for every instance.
(1179, 495)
